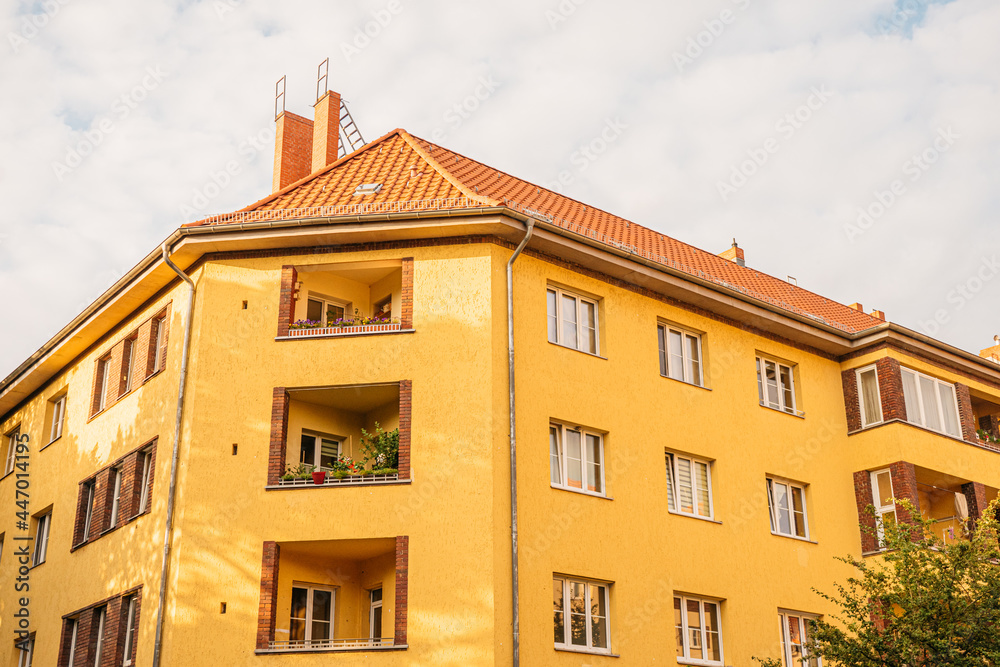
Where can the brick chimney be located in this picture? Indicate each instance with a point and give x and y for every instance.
(734, 254)
(293, 149)
(326, 131)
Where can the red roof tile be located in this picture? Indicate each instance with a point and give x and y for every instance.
(418, 175)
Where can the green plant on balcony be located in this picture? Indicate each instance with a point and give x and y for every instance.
(380, 448)
(987, 437)
(300, 471)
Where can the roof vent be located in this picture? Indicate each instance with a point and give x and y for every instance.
(792, 280)
(367, 189)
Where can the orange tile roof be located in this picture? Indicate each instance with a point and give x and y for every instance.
(418, 175)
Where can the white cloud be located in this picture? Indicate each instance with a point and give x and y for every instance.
(63, 241)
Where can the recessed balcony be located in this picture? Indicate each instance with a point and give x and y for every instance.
(346, 299)
(340, 436)
(333, 595)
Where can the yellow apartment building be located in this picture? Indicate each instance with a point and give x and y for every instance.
(301, 433)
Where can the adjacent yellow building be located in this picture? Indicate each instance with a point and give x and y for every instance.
(695, 441)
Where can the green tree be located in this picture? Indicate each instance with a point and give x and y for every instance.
(922, 603)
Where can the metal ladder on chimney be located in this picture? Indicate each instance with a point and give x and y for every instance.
(349, 132)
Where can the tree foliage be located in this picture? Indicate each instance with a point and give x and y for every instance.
(922, 603)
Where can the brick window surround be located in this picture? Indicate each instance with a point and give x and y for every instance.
(130, 495)
(268, 608)
(904, 486)
(287, 300)
(129, 349)
(890, 383)
(279, 432)
(115, 627)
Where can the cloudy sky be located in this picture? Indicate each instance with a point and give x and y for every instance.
(852, 144)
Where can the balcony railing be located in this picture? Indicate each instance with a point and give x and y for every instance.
(342, 331)
(342, 481)
(330, 644)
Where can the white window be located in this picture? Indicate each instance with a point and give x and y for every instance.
(99, 648)
(882, 499)
(160, 325)
(312, 615)
(930, 403)
(776, 385)
(794, 640)
(573, 320)
(12, 439)
(129, 654)
(58, 418)
(680, 355)
(74, 628)
(147, 480)
(88, 498)
(325, 311)
(699, 631)
(103, 381)
(26, 653)
(576, 459)
(787, 504)
(128, 354)
(870, 398)
(581, 614)
(375, 614)
(116, 494)
(41, 538)
(689, 486)
(319, 451)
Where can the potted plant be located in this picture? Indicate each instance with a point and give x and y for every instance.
(319, 476)
(381, 447)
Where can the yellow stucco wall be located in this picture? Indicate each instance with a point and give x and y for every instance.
(456, 510)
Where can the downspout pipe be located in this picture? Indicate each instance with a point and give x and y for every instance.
(513, 441)
(161, 604)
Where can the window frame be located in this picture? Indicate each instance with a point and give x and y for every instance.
(786, 644)
(372, 606)
(128, 657)
(102, 616)
(117, 472)
(58, 417)
(12, 436)
(318, 439)
(782, 406)
(939, 404)
(73, 638)
(673, 485)
(560, 293)
(146, 480)
(43, 527)
(685, 647)
(563, 460)
(325, 303)
(772, 505)
(865, 422)
(29, 652)
(307, 640)
(567, 643)
(89, 500)
(880, 509)
(128, 362)
(104, 382)
(663, 330)
(159, 322)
